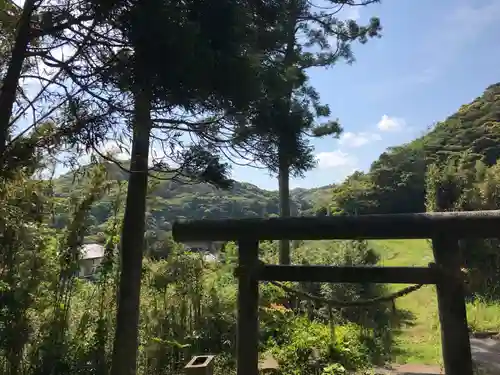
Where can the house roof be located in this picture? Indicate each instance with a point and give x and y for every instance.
(209, 257)
(268, 363)
(92, 251)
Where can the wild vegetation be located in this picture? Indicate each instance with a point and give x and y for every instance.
(396, 182)
(77, 75)
(454, 167)
(409, 334)
(170, 200)
(187, 305)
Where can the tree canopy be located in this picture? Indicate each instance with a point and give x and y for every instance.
(396, 180)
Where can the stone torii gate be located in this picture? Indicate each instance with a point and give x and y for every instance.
(445, 230)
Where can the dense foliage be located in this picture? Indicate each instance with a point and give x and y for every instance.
(396, 181)
(187, 304)
(454, 167)
(153, 304)
(172, 200)
(55, 323)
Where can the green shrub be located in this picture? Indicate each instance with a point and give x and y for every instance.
(307, 347)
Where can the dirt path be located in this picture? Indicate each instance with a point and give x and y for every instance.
(410, 369)
(485, 352)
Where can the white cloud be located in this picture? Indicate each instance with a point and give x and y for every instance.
(390, 124)
(334, 159)
(119, 151)
(116, 150)
(350, 139)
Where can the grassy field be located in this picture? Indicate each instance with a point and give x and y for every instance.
(419, 341)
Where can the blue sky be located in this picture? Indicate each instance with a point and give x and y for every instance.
(434, 56)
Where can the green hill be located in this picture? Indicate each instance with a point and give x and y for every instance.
(396, 181)
(466, 149)
(171, 200)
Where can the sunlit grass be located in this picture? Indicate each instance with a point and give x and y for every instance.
(421, 342)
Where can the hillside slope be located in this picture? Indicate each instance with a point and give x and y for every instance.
(395, 182)
(170, 201)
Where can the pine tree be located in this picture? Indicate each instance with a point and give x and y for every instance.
(313, 37)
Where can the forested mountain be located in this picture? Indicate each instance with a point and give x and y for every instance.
(76, 74)
(170, 200)
(396, 182)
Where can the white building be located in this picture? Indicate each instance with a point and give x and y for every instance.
(91, 256)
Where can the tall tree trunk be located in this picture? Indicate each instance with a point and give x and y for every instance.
(284, 165)
(284, 193)
(11, 79)
(124, 359)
